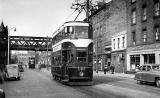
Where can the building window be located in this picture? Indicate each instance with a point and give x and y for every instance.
(144, 12)
(134, 62)
(134, 38)
(123, 42)
(133, 1)
(114, 44)
(144, 31)
(118, 42)
(134, 16)
(156, 8)
(149, 58)
(157, 33)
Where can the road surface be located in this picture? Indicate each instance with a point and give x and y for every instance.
(36, 84)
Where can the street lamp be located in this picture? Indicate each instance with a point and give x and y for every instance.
(47, 55)
(9, 40)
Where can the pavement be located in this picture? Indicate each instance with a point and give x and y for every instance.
(100, 73)
(108, 74)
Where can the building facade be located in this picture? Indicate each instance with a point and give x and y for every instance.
(3, 44)
(107, 21)
(99, 28)
(143, 35)
(22, 57)
(119, 45)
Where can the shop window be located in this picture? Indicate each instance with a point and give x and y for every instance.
(149, 58)
(134, 62)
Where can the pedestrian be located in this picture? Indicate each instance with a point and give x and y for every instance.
(26, 66)
(39, 67)
(112, 68)
(105, 69)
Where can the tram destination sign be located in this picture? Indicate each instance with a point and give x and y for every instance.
(57, 48)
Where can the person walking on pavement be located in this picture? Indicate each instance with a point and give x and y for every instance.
(105, 69)
(112, 68)
(39, 67)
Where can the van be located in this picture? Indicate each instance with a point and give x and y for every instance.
(13, 71)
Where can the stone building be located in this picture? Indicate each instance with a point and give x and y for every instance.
(143, 35)
(107, 21)
(3, 44)
(99, 28)
(22, 57)
(119, 45)
(117, 30)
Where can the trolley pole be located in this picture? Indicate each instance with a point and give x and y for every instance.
(97, 56)
(87, 12)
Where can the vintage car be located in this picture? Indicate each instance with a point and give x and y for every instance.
(13, 72)
(148, 73)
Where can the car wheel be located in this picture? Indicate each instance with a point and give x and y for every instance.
(158, 82)
(18, 78)
(139, 82)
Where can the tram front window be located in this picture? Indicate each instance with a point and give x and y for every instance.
(81, 56)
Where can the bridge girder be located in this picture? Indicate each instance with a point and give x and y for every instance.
(30, 43)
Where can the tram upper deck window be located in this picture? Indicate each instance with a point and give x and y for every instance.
(81, 56)
(68, 30)
(81, 31)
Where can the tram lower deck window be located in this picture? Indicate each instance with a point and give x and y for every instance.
(81, 56)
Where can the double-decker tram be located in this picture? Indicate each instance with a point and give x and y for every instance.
(71, 58)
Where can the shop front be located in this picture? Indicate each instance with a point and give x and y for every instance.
(139, 58)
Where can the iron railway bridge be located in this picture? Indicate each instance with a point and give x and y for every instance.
(30, 43)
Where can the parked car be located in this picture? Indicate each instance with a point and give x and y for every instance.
(148, 73)
(13, 72)
(21, 69)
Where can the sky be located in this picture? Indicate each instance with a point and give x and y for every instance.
(36, 17)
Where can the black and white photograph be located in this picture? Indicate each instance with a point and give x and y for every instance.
(79, 48)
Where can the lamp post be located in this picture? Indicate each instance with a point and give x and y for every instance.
(9, 40)
(47, 55)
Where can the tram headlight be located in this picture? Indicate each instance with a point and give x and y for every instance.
(81, 74)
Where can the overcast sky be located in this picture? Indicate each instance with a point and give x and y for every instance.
(35, 17)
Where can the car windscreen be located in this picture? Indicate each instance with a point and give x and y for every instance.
(12, 67)
(156, 67)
